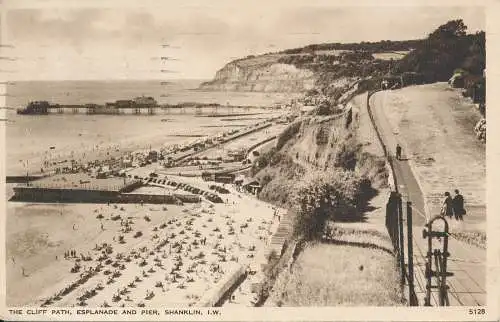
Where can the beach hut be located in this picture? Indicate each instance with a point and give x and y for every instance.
(152, 156)
(253, 186)
(126, 163)
(239, 180)
(225, 178)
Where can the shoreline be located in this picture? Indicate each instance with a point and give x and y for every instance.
(110, 149)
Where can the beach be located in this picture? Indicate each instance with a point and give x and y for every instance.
(181, 255)
(100, 137)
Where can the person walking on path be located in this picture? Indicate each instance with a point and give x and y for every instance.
(458, 205)
(398, 152)
(447, 208)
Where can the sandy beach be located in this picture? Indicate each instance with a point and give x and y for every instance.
(182, 253)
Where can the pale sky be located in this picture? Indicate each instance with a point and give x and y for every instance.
(110, 42)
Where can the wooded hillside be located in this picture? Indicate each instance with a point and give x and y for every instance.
(446, 49)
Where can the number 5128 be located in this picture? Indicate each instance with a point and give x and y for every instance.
(477, 311)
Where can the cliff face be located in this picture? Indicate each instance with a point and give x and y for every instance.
(261, 74)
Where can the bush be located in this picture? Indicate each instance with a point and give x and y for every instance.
(266, 179)
(322, 135)
(270, 157)
(480, 130)
(288, 133)
(277, 178)
(346, 155)
(277, 191)
(324, 109)
(338, 195)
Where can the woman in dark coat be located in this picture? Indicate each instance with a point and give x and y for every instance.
(447, 208)
(458, 205)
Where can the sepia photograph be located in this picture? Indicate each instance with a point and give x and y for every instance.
(165, 157)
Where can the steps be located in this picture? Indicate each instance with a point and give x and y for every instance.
(282, 233)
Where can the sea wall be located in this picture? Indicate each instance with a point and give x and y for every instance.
(52, 195)
(220, 290)
(41, 194)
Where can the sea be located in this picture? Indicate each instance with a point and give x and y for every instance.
(33, 139)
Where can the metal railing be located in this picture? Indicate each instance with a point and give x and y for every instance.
(395, 227)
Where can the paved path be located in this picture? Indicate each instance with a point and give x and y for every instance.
(466, 262)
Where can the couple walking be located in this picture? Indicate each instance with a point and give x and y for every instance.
(453, 206)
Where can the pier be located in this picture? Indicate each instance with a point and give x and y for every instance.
(152, 110)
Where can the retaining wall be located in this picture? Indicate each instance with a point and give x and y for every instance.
(388, 160)
(215, 297)
(63, 195)
(146, 198)
(223, 141)
(36, 194)
(252, 147)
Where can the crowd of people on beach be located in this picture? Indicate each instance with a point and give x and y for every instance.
(191, 242)
(121, 160)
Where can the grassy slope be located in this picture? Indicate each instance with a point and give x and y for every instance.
(346, 275)
(357, 267)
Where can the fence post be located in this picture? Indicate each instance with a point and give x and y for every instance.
(411, 286)
(401, 239)
(391, 221)
(395, 231)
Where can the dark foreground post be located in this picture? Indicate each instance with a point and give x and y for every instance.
(401, 239)
(391, 221)
(409, 231)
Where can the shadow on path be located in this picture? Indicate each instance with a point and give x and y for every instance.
(358, 244)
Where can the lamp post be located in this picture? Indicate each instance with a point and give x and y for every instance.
(25, 165)
(27, 177)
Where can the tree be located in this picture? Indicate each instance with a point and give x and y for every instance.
(451, 29)
(446, 49)
(475, 62)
